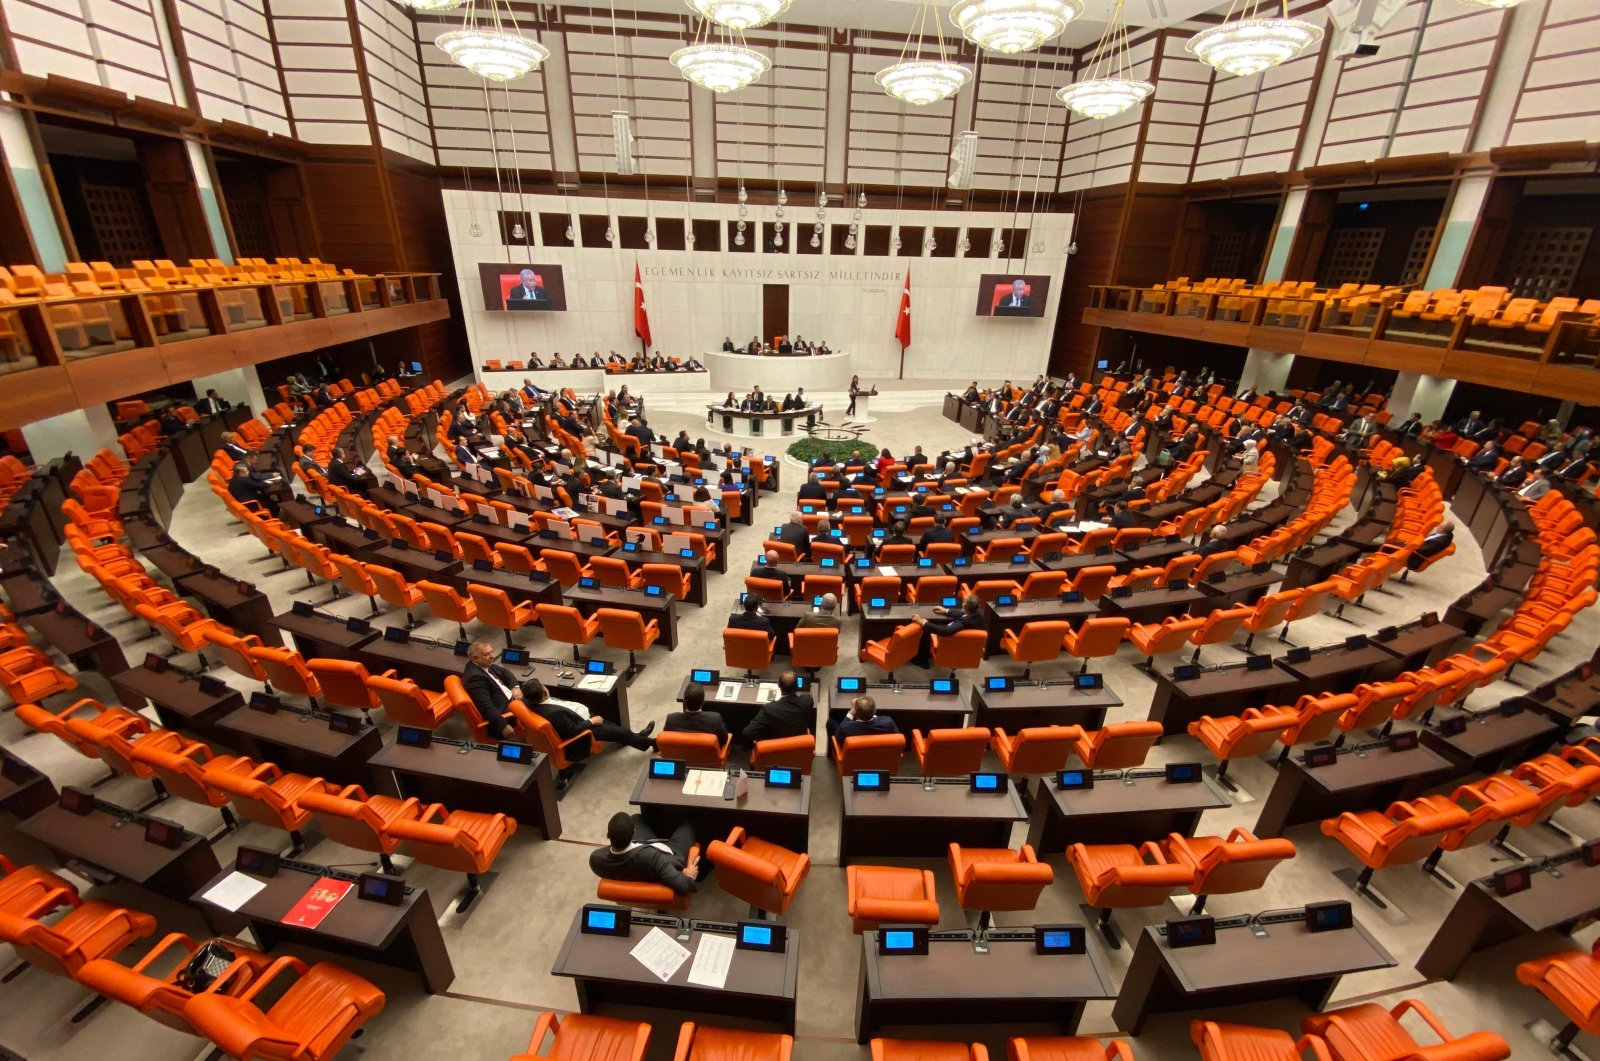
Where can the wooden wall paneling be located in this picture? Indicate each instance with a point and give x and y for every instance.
(111, 376)
(175, 199)
(351, 211)
(1145, 248)
(46, 392)
(1311, 234)
(1098, 229)
(1491, 232)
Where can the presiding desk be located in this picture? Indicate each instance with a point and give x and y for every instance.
(747, 424)
(1119, 809)
(1558, 897)
(780, 815)
(1246, 965)
(1041, 703)
(405, 936)
(470, 776)
(1357, 780)
(909, 820)
(954, 984)
(111, 838)
(761, 986)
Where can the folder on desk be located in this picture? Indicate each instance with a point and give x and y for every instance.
(599, 683)
(727, 691)
(766, 692)
(704, 783)
(317, 903)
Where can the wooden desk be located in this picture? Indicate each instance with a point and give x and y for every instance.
(415, 564)
(117, 845)
(953, 984)
(430, 664)
(1055, 703)
(1117, 811)
(1154, 605)
(405, 936)
(1355, 781)
(663, 610)
(780, 815)
(1217, 692)
(1568, 698)
(737, 712)
(1416, 645)
(1308, 567)
(301, 743)
(29, 792)
(242, 608)
(27, 592)
(909, 820)
(1240, 587)
(323, 636)
(911, 706)
(179, 702)
(1156, 552)
(879, 623)
(1479, 608)
(86, 645)
(760, 986)
(1480, 919)
(355, 542)
(519, 588)
(967, 574)
(1242, 967)
(1011, 619)
(1491, 740)
(472, 778)
(1340, 669)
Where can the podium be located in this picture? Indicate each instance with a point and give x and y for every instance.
(863, 411)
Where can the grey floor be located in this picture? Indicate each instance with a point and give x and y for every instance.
(504, 946)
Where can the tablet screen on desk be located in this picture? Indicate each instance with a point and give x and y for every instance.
(414, 737)
(1191, 932)
(1060, 939)
(1182, 773)
(1072, 597)
(514, 657)
(924, 561)
(851, 684)
(997, 683)
(77, 800)
(606, 920)
(1386, 634)
(1071, 780)
(761, 935)
(587, 583)
(688, 554)
(949, 602)
(158, 664)
(396, 635)
(597, 666)
(462, 648)
(1315, 757)
(988, 783)
(512, 752)
(303, 609)
(667, 769)
(903, 939)
(943, 687)
(703, 676)
(1005, 600)
(782, 777)
(1089, 681)
(357, 625)
(652, 591)
(870, 781)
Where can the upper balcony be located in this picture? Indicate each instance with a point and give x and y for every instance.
(95, 334)
(1550, 348)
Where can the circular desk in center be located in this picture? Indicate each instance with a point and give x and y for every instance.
(778, 374)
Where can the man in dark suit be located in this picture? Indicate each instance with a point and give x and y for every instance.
(790, 715)
(943, 624)
(727, 344)
(212, 404)
(793, 533)
(1214, 544)
(693, 719)
(1018, 303)
(634, 853)
(247, 486)
(896, 536)
(308, 462)
(646, 437)
(352, 476)
(916, 460)
(493, 687)
(750, 617)
(527, 294)
(939, 532)
(862, 720)
(1486, 457)
(812, 490)
(754, 346)
(400, 457)
(1515, 475)
(785, 346)
(230, 446)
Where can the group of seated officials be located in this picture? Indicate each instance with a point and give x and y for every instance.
(640, 362)
(758, 401)
(799, 345)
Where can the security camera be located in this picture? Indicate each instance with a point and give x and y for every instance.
(1357, 23)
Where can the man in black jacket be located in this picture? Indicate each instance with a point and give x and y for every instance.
(790, 715)
(945, 624)
(750, 617)
(212, 404)
(352, 477)
(634, 854)
(812, 490)
(400, 457)
(230, 445)
(248, 486)
(493, 687)
(793, 533)
(935, 534)
(693, 719)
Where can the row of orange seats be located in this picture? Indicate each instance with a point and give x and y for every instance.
(80, 279)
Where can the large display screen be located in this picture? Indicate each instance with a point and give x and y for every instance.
(519, 287)
(1012, 295)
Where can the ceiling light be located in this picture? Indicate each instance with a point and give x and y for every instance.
(721, 66)
(1110, 87)
(739, 14)
(431, 5)
(489, 45)
(923, 81)
(1011, 26)
(1249, 44)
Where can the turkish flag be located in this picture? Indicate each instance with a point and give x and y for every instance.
(641, 319)
(902, 322)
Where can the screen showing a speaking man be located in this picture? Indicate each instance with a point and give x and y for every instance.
(517, 287)
(1012, 296)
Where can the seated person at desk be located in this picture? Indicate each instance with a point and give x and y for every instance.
(896, 536)
(352, 476)
(826, 613)
(555, 360)
(947, 622)
(940, 532)
(633, 854)
(1120, 517)
(693, 718)
(791, 403)
(247, 486)
(1536, 487)
(812, 489)
(638, 430)
(400, 457)
(793, 533)
(464, 454)
(1486, 458)
(1435, 543)
(693, 365)
(727, 344)
(862, 720)
(754, 346)
(465, 425)
(230, 445)
(750, 616)
(493, 687)
(1215, 543)
(790, 715)
(307, 462)
(916, 460)
(1515, 475)
(212, 403)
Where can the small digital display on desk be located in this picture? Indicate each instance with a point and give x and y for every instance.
(667, 769)
(903, 939)
(998, 684)
(782, 777)
(870, 781)
(988, 783)
(606, 920)
(1060, 939)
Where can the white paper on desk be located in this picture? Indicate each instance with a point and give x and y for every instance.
(704, 782)
(600, 683)
(727, 691)
(234, 890)
(766, 692)
(887, 572)
(660, 953)
(712, 957)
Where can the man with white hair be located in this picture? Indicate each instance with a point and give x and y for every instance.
(825, 614)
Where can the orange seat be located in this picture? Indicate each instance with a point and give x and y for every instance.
(90, 930)
(459, 841)
(1036, 750)
(1239, 863)
(1241, 1042)
(564, 567)
(963, 650)
(1375, 704)
(1406, 832)
(1036, 642)
(990, 879)
(541, 736)
(895, 651)
(445, 603)
(1315, 716)
(927, 1050)
(1121, 876)
(614, 571)
(950, 752)
(1169, 635)
(1095, 638)
(1368, 1032)
(268, 796)
(289, 671)
(1242, 736)
(30, 892)
(880, 895)
(1570, 979)
(562, 622)
(646, 895)
(162, 998)
(875, 751)
(1044, 585)
(395, 590)
(1067, 1048)
(584, 1035)
(749, 649)
(1219, 626)
(344, 683)
(703, 1042)
(813, 647)
(311, 1021)
(494, 607)
(407, 704)
(762, 874)
(351, 817)
(696, 749)
(1117, 745)
(795, 752)
(621, 628)
(183, 773)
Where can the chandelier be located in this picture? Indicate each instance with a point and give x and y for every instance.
(1250, 44)
(1110, 87)
(487, 47)
(429, 6)
(1011, 26)
(739, 14)
(722, 66)
(920, 81)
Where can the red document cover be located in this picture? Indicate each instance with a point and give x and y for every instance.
(317, 903)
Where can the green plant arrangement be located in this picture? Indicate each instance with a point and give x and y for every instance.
(809, 449)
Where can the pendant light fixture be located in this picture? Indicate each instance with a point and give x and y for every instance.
(719, 59)
(1011, 26)
(1110, 87)
(739, 14)
(918, 79)
(489, 43)
(431, 6)
(1252, 43)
